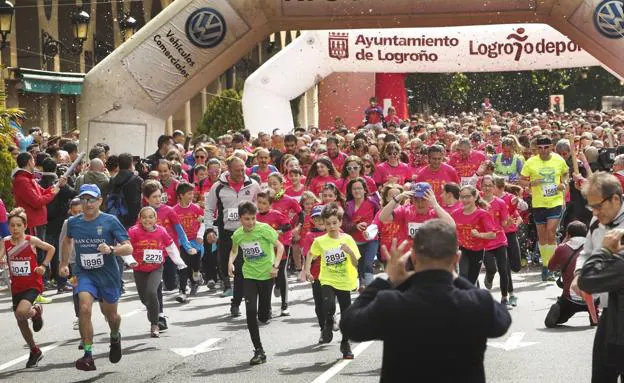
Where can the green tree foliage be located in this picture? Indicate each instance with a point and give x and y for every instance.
(451, 93)
(7, 164)
(224, 112)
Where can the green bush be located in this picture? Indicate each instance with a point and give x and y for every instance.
(7, 163)
(224, 112)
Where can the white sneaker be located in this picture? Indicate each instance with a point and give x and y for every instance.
(76, 324)
(181, 298)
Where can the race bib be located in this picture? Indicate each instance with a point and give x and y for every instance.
(549, 190)
(152, 256)
(231, 214)
(466, 181)
(412, 228)
(252, 250)
(335, 256)
(20, 268)
(91, 261)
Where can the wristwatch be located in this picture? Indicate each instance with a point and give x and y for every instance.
(275, 267)
(46, 265)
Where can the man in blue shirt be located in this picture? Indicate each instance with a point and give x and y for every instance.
(96, 237)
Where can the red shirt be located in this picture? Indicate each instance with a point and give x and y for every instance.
(499, 213)
(296, 194)
(289, 207)
(201, 188)
(385, 171)
(317, 183)
(169, 195)
(236, 186)
(479, 220)
(365, 213)
(338, 161)
(387, 232)
(148, 247)
(513, 211)
(306, 243)
(288, 183)
(467, 168)
(277, 220)
(451, 208)
(190, 218)
(306, 226)
(22, 263)
(437, 179)
(409, 220)
(167, 218)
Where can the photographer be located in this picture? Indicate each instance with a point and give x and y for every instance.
(426, 339)
(594, 264)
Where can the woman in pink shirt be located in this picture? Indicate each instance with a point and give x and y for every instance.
(321, 172)
(387, 231)
(354, 169)
(474, 226)
(495, 256)
(392, 170)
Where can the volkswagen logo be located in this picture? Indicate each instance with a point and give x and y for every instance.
(205, 28)
(609, 18)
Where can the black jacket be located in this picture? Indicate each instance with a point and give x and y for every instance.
(58, 209)
(130, 185)
(434, 329)
(602, 273)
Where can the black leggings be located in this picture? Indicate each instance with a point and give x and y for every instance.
(224, 245)
(470, 264)
(192, 263)
(497, 259)
(257, 306)
(209, 262)
(329, 304)
(281, 282)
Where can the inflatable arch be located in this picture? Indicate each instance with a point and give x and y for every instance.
(128, 96)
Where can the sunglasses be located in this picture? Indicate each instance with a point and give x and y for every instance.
(200, 157)
(352, 168)
(392, 153)
(368, 166)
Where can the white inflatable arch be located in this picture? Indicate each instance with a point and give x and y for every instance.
(127, 97)
(317, 54)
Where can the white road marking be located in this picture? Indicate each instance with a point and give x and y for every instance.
(199, 349)
(25, 357)
(131, 313)
(514, 342)
(336, 368)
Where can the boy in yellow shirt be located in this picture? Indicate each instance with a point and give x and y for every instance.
(339, 258)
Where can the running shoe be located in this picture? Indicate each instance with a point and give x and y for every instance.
(276, 292)
(154, 332)
(34, 358)
(488, 282)
(86, 363)
(162, 324)
(64, 289)
(235, 311)
(211, 284)
(76, 324)
(285, 311)
(513, 300)
(258, 358)
(327, 334)
(194, 289)
(80, 345)
(122, 291)
(227, 293)
(197, 277)
(114, 354)
(181, 298)
(321, 338)
(524, 262)
(42, 300)
(345, 348)
(505, 302)
(37, 320)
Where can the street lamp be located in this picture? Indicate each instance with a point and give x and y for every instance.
(52, 47)
(128, 26)
(6, 21)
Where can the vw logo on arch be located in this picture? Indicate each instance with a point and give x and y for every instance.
(609, 18)
(206, 28)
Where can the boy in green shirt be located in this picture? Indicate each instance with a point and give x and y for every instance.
(257, 242)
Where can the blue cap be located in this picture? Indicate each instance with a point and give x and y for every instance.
(317, 210)
(420, 189)
(90, 189)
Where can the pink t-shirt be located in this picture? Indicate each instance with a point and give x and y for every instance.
(167, 218)
(296, 194)
(479, 220)
(451, 208)
(370, 185)
(288, 206)
(169, 196)
(276, 220)
(317, 184)
(365, 213)
(338, 161)
(437, 179)
(384, 172)
(513, 211)
(409, 221)
(499, 213)
(467, 168)
(387, 232)
(143, 240)
(190, 218)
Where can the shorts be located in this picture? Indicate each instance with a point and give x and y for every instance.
(100, 293)
(29, 295)
(541, 215)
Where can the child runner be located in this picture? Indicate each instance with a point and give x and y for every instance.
(26, 278)
(290, 207)
(338, 276)
(296, 188)
(149, 240)
(388, 230)
(261, 263)
(191, 218)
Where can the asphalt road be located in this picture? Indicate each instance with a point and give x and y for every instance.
(204, 344)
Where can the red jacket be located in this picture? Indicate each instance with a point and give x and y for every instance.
(32, 197)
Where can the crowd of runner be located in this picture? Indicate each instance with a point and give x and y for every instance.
(243, 213)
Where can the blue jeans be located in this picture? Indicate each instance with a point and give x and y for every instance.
(368, 251)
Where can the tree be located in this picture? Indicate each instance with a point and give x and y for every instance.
(224, 112)
(7, 163)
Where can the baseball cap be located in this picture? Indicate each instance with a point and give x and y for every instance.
(420, 189)
(91, 190)
(316, 211)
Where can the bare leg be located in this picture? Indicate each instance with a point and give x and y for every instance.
(23, 313)
(86, 307)
(112, 316)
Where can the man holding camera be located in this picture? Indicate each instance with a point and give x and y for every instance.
(600, 269)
